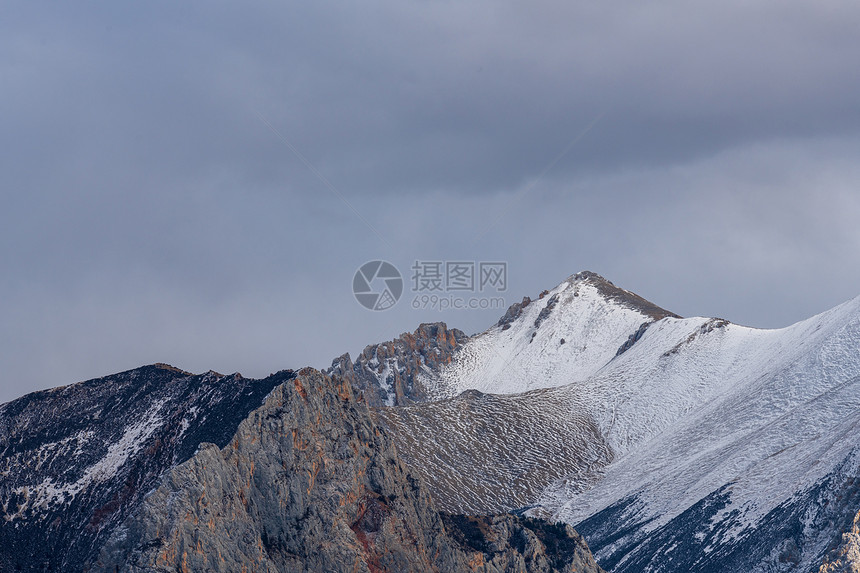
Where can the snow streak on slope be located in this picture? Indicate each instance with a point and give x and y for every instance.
(733, 405)
(482, 453)
(50, 492)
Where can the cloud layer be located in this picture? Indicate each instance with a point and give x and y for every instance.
(155, 207)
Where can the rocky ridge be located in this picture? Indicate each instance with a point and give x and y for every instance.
(310, 483)
(389, 373)
(156, 470)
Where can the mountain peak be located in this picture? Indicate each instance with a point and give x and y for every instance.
(619, 295)
(583, 276)
(564, 335)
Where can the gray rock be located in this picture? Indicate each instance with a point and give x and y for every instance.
(310, 483)
(386, 374)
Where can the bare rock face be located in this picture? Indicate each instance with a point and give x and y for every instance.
(310, 483)
(508, 543)
(514, 311)
(846, 557)
(386, 374)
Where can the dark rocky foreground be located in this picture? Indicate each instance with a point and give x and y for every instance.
(76, 460)
(289, 473)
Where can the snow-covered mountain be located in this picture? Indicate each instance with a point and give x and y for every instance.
(705, 446)
(672, 444)
(564, 336)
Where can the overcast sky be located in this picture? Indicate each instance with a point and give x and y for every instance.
(197, 183)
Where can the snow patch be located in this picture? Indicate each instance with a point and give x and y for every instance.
(50, 492)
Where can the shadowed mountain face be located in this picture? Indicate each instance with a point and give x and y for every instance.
(76, 460)
(158, 470)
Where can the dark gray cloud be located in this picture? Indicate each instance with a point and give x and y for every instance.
(149, 214)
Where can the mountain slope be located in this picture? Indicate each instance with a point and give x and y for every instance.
(751, 424)
(309, 483)
(484, 453)
(727, 448)
(157, 470)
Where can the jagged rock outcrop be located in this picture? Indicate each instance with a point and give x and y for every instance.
(519, 544)
(310, 483)
(846, 557)
(514, 311)
(546, 310)
(387, 374)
